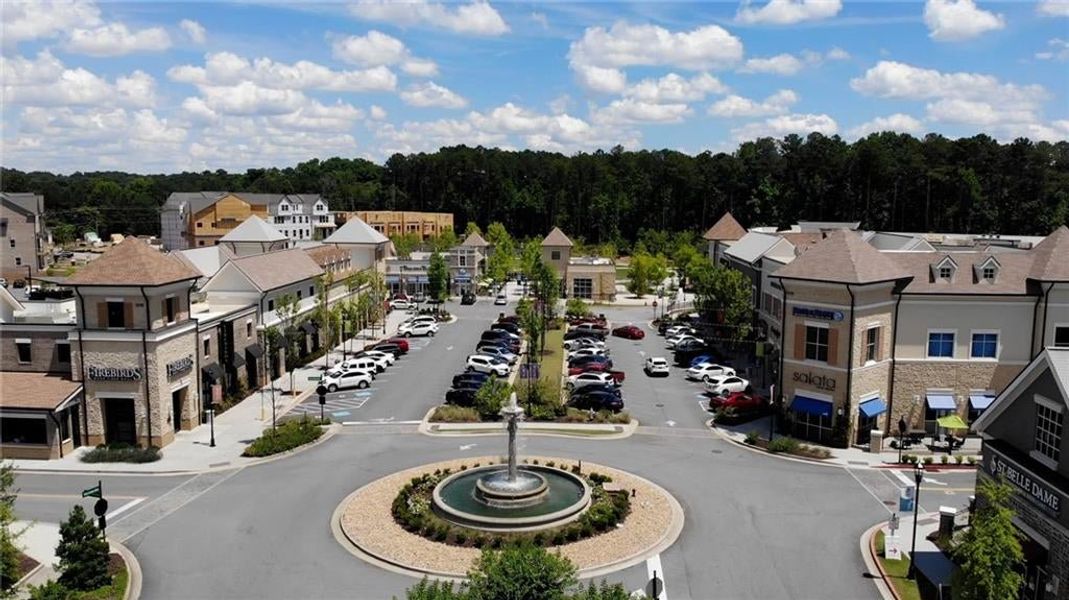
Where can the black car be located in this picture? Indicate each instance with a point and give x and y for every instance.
(684, 356)
(467, 298)
(469, 379)
(461, 396)
(591, 388)
(583, 333)
(598, 401)
(581, 361)
(497, 334)
(507, 326)
(393, 349)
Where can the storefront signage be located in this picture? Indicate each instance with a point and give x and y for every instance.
(180, 367)
(817, 313)
(1039, 491)
(821, 382)
(114, 374)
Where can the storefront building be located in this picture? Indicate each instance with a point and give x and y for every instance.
(586, 277)
(1025, 445)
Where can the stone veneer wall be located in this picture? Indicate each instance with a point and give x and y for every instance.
(44, 357)
(915, 378)
(160, 355)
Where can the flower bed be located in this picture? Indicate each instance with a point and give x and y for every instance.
(121, 453)
(285, 436)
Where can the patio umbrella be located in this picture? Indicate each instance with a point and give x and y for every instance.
(951, 422)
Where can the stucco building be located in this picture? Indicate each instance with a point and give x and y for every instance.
(587, 277)
(23, 250)
(199, 219)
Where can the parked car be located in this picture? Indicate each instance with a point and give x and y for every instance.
(498, 351)
(379, 354)
(583, 379)
(346, 379)
(508, 326)
(501, 300)
(401, 343)
(598, 401)
(678, 330)
(706, 371)
(594, 388)
(629, 332)
(742, 402)
(675, 340)
(487, 364)
(366, 363)
(599, 329)
(421, 319)
(585, 360)
(582, 333)
(499, 334)
(388, 347)
(617, 376)
(464, 396)
(578, 352)
(418, 328)
(583, 342)
(702, 358)
(467, 298)
(400, 304)
(469, 379)
(686, 350)
(656, 365)
(719, 386)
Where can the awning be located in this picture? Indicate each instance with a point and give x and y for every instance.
(980, 401)
(422, 279)
(237, 361)
(255, 350)
(941, 402)
(393, 279)
(871, 408)
(812, 406)
(951, 422)
(462, 279)
(213, 371)
(309, 327)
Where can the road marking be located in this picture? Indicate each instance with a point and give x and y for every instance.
(869, 490)
(935, 481)
(364, 394)
(448, 347)
(68, 496)
(125, 507)
(381, 423)
(468, 446)
(670, 423)
(340, 413)
(653, 567)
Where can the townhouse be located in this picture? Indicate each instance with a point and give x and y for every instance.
(198, 219)
(23, 238)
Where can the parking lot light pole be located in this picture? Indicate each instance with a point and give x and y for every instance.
(918, 476)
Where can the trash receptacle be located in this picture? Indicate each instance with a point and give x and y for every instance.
(876, 441)
(946, 520)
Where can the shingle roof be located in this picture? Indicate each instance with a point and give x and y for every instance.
(253, 229)
(207, 260)
(356, 231)
(197, 201)
(27, 201)
(133, 262)
(273, 270)
(843, 257)
(1051, 257)
(752, 246)
(35, 390)
(556, 237)
(726, 229)
(474, 240)
(1013, 269)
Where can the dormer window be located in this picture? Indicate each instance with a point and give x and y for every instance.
(987, 271)
(946, 272)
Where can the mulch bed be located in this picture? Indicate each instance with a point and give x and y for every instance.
(26, 564)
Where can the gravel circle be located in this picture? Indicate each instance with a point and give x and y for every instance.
(368, 524)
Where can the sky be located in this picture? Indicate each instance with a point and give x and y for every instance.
(171, 86)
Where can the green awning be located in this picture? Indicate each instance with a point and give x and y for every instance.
(951, 422)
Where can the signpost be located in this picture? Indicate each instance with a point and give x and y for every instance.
(891, 549)
(101, 507)
(530, 371)
(322, 391)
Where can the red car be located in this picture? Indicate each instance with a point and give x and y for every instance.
(401, 342)
(617, 376)
(740, 401)
(630, 332)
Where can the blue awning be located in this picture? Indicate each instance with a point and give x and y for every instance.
(941, 402)
(462, 279)
(393, 279)
(422, 279)
(873, 407)
(811, 406)
(980, 401)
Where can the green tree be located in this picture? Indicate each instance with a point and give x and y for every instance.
(988, 553)
(502, 258)
(82, 553)
(576, 307)
(724, 296)
(444, 241)
(438, 277)
(520, 571)
(472, 227)
(64, 233)
(405, 243)
(645, 272)
(434, 590)
(491, 396)
(602, 591)
(286, 309)
(532, 323)
(9, 552)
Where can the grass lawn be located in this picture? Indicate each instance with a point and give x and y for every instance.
(896, 572)
(551, 360)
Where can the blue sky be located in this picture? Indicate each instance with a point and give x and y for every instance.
(170, 86)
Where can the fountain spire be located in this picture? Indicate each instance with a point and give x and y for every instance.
(513, 413)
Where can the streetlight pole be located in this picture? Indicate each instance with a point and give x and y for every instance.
(771, 411)
(918, 476)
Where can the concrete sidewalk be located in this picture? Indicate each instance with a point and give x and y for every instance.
(191, 451)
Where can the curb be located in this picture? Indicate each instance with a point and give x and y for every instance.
(775, 455)
(872, 563)
(25, 578)
(565, 430)
(133, 570)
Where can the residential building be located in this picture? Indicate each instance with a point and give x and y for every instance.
(397, 222)
(254, 236)
(587, 277)
(23, 251)
(367, 247)
(1025, 446)
(198, 219)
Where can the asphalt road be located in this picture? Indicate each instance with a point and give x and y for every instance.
(756, 526)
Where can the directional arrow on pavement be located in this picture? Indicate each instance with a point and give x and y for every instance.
(670, 423)
(468, 446)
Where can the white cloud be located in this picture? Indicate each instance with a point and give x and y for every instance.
(378, 113)
(24, 21)
(147, 127)
(736, 106)
(196, 109)
(477, 18)
(956, 20)
(115, 39)
(378, 49)
(45, 81)
(631, 110)
(898, 122)
(247, 99)
(226, 68)
(560, 104)
(418, 67)
(837, 53)
(801, 124)
(541, 19)
(1057, 49)
(624, 45)
(598, 79)
(137, 88)
(781, 64)
(675, 88)
(431, 94)
(788, 12)
(196, 32)
(315, 116)
(1053, 8)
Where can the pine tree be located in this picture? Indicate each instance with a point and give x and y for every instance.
(989, 552)
(9, 553)
(82, 552)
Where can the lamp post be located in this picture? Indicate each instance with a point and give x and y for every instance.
(771, 411)
(267, 371)
(918, 476)
(901, 436)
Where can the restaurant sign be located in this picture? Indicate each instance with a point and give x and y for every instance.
(1038, 491)
(821, 382)
(180, 367)
(114, 374)
(817, 313)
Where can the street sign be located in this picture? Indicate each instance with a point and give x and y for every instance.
(93, 492)
(530, 371)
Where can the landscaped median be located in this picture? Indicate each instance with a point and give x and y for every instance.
(286, 436)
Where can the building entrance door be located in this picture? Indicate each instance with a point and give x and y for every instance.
(119, 421)
(178, 401)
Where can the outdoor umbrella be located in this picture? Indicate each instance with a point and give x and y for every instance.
(951, 422)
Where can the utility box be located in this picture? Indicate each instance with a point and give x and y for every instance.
(875, 441)
(946, 520)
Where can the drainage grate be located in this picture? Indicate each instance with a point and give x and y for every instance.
(659, 405)
(717, 451)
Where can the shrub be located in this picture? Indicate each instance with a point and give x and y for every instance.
(959, 459)
(971, 460)
(572, 533)
(121, 453)
(49, 590)
(752, 437)
(478, 540)
(460, 537)
(286, 436)
(784, 444)
(928, 460)
(944, 459)
(539, 539)
(82, 553)
(448, 413)
(558, 538)
(491, 397)
(551, 464)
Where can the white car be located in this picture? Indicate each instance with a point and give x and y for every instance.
(706, 371)
(498, 352)
(721, 386)
(418, 328)
(487, 364)
(673, 341)
(584, 379)
(421, 319)
(340, 380)
(677, 330)
(377, 355)
(400, 304)
(583, 342)
(587, 352)
(655, 365)
(365, 363)
(501, 300)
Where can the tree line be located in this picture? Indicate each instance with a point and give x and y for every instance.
(886, 181)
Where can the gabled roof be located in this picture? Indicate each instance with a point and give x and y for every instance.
(474, 240)
(36, 391)
(752, 246)
(198, 201)
(27, 201)
(843, 257)
(207, 260)
(133, 262)
(726, 229)
(1054, 359)
(253, 229)
(356, 231)
(272, 270)
(1051, 257)
(1012, 273)
(556, 237)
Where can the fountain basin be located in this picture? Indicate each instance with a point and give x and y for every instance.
(482, 498)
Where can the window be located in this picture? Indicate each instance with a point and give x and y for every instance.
(984, 345)
(554, 255)
(1061, 337)
(988, 273)
(3, 227)
(18, 261)
(270, 305)
(582, 287)
(65, 425)
(170, 308)
(23, 431)
(25, 353)
(298, 294)
(248, 329)
(1048, 430)
(200, 242)
(199, 225)
(872, 343)
(63, 352)
(311, 290)
(816, 343)
(207, 347)
(940, 344)
(117, 315)
(946, 272)
(12, 242)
